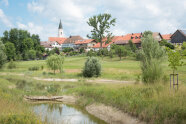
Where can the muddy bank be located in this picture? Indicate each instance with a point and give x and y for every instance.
(111, 115)
(64, 99)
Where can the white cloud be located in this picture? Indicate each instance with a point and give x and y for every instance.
(132, 15)
(43, 31)
(35, 7)
(4, 19)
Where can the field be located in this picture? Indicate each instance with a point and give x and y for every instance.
(152, 103)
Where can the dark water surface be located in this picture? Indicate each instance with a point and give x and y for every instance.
(56, 113)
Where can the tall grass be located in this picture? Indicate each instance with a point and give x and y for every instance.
(152, 103)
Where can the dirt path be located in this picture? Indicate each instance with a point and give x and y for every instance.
(112, 115)
(71, 80)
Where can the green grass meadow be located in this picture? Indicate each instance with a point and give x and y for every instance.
(155, 103)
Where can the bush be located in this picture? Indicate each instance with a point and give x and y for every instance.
(91, 53)
(92, 67)
(34, 68)
(151, 59)
(53, 89)
(11, 65)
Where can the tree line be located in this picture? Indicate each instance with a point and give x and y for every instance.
(21, 45)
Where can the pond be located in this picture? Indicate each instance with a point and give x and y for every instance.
(57, 113)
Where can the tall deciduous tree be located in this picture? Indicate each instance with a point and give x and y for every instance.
(10, 51)
(101, 25)
(2, 54)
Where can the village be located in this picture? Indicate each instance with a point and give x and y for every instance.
(92, 62)
(77, 42)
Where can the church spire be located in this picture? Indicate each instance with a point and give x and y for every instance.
(60, 29)
(60, 25)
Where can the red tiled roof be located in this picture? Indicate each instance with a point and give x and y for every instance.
(84, 41)
(167, 36)
(60, 40)
(104, 44)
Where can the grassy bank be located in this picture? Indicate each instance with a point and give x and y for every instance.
(13, 109)
(154, 104)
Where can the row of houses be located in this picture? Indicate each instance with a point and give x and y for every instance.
(77, 42)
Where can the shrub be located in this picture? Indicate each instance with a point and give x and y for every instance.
(91, 53)
(151, 58)
(53, 89)
(21, 84)
(11, 65)
(92, 67)
(55, 62)
(34, 68)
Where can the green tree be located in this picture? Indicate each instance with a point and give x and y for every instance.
(10, 51)
(120, 51)
(151, 59)
(174, 59)
(2, 54)
(146, 33)
(32, 54)
(111, 53)
(184, 46)
(132, 46)
(101, 25)
(55, 62)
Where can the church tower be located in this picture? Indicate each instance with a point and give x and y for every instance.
(60, 29)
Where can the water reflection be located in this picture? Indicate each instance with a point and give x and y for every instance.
(64, 114)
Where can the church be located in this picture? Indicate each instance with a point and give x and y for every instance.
(61, 41)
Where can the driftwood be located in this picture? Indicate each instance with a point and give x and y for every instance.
(67, 99)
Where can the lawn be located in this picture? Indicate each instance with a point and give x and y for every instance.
(126, 69)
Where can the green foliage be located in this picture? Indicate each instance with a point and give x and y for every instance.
(82, 50)
(53, 89)
(91, 53)
(55, 62)
(3, 56)
(146, 33)
(184, 45)
(32, 54)
(54, 51)
(174, 59)
(11, 64)
(67, 49)
(19, 119)
(101, 25)
(151, 58)
(92, 67)
(10, 50)
(111, 53)
(34, 68)
(22, 42)
(120, 51)
(132, 46)
(165, 43)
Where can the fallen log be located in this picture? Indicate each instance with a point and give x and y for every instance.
(67, 99)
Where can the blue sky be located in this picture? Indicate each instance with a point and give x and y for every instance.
(133, 16)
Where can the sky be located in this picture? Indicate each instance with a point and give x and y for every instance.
(132, 16)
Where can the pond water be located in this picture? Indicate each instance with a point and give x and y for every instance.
(55, 113)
